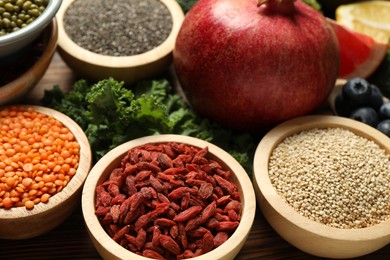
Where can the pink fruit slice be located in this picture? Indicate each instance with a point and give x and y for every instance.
(360, 55)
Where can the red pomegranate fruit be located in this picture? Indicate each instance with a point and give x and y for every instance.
(251, 64)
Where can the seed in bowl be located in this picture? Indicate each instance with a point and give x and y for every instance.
(168, 201)
(333, 176)
(38, 157)
(118, 27)
(17, 14)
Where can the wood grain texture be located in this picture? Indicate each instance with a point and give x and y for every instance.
(70, 240)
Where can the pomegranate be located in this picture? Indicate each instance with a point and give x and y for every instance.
(250, 65)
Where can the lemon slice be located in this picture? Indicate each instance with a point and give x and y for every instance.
(371, 18)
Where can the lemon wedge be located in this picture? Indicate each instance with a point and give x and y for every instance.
(370, 17)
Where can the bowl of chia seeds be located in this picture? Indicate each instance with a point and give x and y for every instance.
(22, 21)
(322, 182)
(128, 40)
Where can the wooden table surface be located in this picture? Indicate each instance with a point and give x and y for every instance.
(70, 240)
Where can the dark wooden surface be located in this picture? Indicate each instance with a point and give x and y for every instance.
(70, 240)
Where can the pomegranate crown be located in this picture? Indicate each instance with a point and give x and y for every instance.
(277, 2)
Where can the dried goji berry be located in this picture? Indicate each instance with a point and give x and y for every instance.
(156, 184)
(198, 232)
(168, 243)
(208, 212)
(165, 161)
(206, 190)
(130, 185)
(115, 212)
(174, 231)
(227, 225)
(156, 236)
(229, 187)
(208, 243)
(188, 213)
(121, 233)
(140, 239)
(142, 175)
(152, 254)
(164, 222)
(220, 238)
(102, 211)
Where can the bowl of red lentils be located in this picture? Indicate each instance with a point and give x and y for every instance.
(128, 40)
(322, 182)
(168, 197)
(45, 158)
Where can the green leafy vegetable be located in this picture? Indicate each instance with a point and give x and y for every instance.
(110, 114)
(314, 4)
(186, 4)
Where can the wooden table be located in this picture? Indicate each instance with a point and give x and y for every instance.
(70, 240)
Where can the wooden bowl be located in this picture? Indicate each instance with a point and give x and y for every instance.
(16, 89)
(94, 66)
(14, 42)
(109, 249)
(20, 223)
(309, 236)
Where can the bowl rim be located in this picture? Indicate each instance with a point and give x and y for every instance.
(296, 125)
(77, 181)
(247, 198)
(7, 91)
(38, 24)
(66, 44)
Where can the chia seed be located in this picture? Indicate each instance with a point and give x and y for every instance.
(118, 27)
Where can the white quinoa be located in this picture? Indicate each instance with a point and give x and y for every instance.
(333, 176)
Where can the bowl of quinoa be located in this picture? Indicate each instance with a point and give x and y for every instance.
(168, 197)
(128, 40)
(45, 158)
(323, 183)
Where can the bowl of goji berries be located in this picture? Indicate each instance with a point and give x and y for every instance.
(168, 197)
(45, 158)
(322, 182)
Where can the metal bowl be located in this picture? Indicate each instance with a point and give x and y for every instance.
(15, 41)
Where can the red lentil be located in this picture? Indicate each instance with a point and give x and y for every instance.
(38, 157)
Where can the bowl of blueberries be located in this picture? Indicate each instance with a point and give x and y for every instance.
(358, 99)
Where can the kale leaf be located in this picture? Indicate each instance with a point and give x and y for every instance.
(111, 114)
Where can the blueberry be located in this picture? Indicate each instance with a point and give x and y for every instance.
(384, 127)
(384, 111)
(342, 107)
(367, 115)
(376, 99)
(357, 91)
